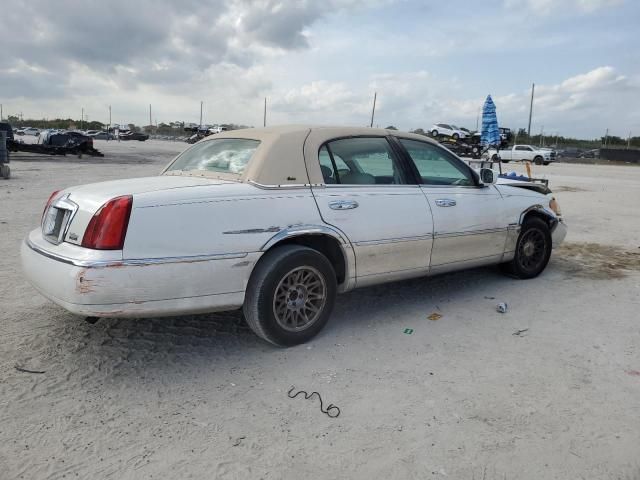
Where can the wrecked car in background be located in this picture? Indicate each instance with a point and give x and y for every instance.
(278, 221)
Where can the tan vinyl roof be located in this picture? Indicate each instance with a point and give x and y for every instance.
(288, 154)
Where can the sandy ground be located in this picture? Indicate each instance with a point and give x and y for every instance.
(461, 397)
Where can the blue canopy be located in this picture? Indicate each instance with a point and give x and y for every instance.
(490, 134)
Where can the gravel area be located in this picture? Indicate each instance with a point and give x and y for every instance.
(460, 397)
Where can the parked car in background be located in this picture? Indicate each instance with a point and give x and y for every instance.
(523, 152)
(28, 131)
(217, 129)
(129, 135)
(447, 130)
(102, 135)
(278, 221)
(594, 153)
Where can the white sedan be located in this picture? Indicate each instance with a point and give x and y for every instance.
(278, 221)
(447, 130)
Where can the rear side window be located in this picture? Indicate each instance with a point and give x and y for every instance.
(436, 166)
(360, 161)
(224, 155)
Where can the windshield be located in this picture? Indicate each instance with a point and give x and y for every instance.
(225, 155)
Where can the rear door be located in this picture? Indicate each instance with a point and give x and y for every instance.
(370, 196)
(469, 223)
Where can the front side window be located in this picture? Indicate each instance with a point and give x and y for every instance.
(224, 155)
(360, 161)
(436, 166)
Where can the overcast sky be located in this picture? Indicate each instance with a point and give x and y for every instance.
(320, 61)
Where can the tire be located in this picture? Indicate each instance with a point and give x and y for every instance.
(533, 250)
(494, 158)
(537, 160)
(455, 136)
(5, 172)
(434, 133)
(276, 320)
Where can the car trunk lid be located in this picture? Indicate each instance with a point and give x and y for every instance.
(67, 217)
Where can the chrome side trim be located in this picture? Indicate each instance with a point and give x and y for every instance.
(133, 261)
(469, 232)
(284, 186)
(393, 240)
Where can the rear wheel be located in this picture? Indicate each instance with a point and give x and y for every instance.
(533, 249)
(434, 133)
(290, 295)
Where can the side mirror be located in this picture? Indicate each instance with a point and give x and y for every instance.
(488, 176)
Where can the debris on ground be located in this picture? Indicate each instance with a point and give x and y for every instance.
(330, 408)
(408, 331)
(519, 333)
(501, 307)
(489, 298)
(238, 441)
(26, 370)
(435, 316)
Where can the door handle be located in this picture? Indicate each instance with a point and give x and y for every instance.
(343, 204)
(445, 202)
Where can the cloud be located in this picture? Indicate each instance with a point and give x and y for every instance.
(578, 105)
(547, 7)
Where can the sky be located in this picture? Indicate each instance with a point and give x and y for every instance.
(320, 62)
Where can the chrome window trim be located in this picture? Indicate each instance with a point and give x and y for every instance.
(367, 185)
(133, 261)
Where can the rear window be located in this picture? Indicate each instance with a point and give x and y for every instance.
(224, 155)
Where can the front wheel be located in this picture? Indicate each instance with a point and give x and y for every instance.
(533, 250)
(538, 160)
(455, 136)
(434, 133)
(290, 295)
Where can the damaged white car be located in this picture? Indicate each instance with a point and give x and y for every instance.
(278, 221)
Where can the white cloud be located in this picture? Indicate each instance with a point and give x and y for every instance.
(546, 7)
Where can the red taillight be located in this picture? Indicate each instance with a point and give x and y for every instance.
(108, 227)
(51, 197)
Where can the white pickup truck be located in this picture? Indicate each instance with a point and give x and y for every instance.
(539, 156)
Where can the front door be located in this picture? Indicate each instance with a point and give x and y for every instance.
(367, 196)
(469, 226)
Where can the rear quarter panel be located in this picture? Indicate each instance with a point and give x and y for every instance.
(223, 219)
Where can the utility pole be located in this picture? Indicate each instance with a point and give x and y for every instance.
(629, 141)
(542, 136)
(373, 111)
(606, 136)
(533, 87)
(109, 127)
(82, 119)
(150, 122)
(200, 114)
(264, 117)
